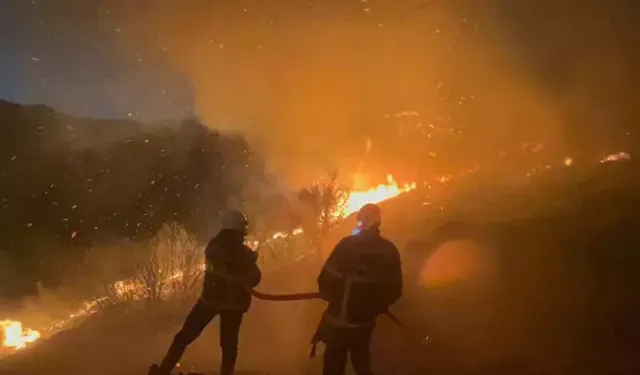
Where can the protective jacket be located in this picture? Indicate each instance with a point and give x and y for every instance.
(230, 269)
(360, 280)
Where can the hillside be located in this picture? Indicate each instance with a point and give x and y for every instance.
(125, 339)
(549, 292)
(530, 278)
(69, 184)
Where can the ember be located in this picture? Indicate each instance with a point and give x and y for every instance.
(16, 337)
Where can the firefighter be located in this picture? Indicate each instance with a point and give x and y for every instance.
(230, 271)
(360, 280)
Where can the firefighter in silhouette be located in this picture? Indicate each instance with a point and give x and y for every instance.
(230, 268)
(360, 280)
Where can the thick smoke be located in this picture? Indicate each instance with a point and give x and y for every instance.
(310, 82)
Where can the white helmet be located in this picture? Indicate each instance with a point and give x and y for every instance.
(369, 216)
(235, 221)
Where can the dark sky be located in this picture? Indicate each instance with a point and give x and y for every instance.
(329, 71)
(66, 54)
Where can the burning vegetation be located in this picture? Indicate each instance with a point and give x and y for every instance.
(442, 95)
(14, 336)
(377, 194)
(176, 263)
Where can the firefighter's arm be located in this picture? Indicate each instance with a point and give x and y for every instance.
(252, 274)
(217, 268)
(248, 275)
(395, 279)
(210, 270)
(328, 275)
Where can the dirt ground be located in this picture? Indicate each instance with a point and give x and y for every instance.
(126, 339)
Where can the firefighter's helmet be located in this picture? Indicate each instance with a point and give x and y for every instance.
(235, 221)
(369, 216)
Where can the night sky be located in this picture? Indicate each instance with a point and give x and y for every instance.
(66, 54)
(330, 70)
(75, 46)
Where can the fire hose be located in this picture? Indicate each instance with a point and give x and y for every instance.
(315, 295)
(315, 340)
(285, 297)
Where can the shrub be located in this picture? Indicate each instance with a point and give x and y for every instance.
(169, 265)
(172, 266)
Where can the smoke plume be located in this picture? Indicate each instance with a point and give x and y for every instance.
(434, 85)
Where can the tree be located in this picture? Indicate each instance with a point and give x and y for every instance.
(67, 185)
(326, 201)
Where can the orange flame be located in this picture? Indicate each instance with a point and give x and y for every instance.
(14, 336)
(615, 157)
(358, 198)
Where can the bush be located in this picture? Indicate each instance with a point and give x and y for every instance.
(283, 248)
(173, 266)
(169, 265)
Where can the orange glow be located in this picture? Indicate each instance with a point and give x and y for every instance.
(16, 337)
(615, 157)
(377, 194)
(451, 262)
